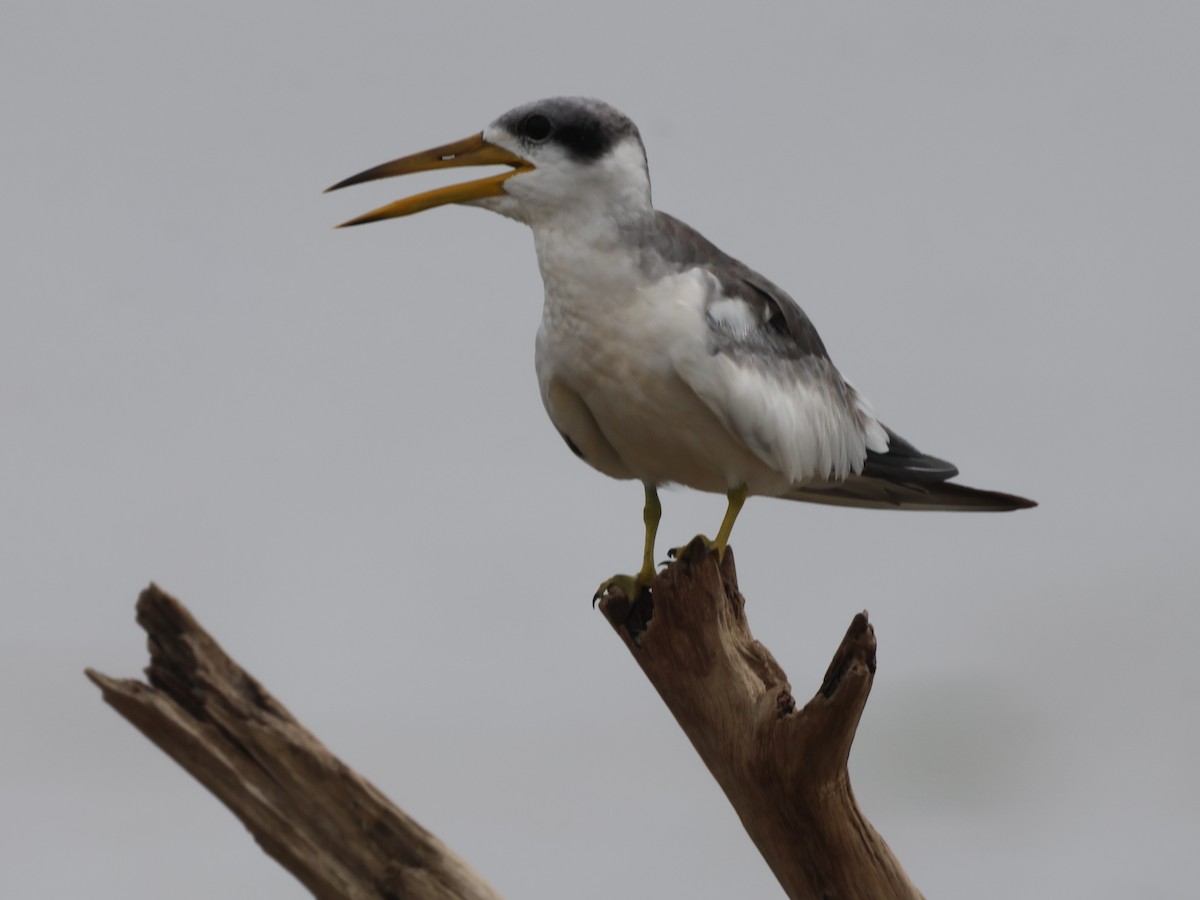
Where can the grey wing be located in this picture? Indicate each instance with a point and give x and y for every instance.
(898, 476)
(769, 348)
(767, 304)
(764, 371)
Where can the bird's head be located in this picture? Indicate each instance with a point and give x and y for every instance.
(569, 157)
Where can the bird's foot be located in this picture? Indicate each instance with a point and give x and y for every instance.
(737, 497)
(630, 585)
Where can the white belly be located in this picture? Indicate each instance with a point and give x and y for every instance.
(607, 362)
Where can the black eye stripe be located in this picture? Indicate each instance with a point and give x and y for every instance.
(585, 130)
(537, 127)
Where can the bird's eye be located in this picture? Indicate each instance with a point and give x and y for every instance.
(537, 128)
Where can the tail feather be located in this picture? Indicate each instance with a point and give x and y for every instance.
(906, 478)
(871, 492)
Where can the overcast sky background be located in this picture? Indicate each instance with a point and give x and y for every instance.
(330, 444)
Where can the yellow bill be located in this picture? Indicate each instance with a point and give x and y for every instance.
(472, 151)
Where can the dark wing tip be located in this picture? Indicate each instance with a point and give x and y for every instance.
(976, 498)
(905, 465)
(904, 462)
(872, 492)
(1021, 502)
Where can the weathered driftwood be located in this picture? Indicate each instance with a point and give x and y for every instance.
(783, 769)
(319, 819)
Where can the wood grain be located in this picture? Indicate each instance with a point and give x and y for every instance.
(782, 768)
(318, 818)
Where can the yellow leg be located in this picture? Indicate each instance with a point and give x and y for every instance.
(651, 515)
(737, 497)
(632, 584)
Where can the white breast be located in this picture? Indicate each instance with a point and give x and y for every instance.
(607, 359)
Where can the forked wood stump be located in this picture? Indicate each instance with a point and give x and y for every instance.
(783, 769)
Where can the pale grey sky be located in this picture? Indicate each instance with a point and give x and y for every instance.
(331, 447)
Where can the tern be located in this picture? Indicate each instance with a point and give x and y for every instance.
(661, 358)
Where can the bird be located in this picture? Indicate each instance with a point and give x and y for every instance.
(659, 357)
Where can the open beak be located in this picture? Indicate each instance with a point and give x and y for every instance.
(472, 151)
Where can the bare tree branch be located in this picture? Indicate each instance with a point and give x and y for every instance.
(318, 818)
(783, 769)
